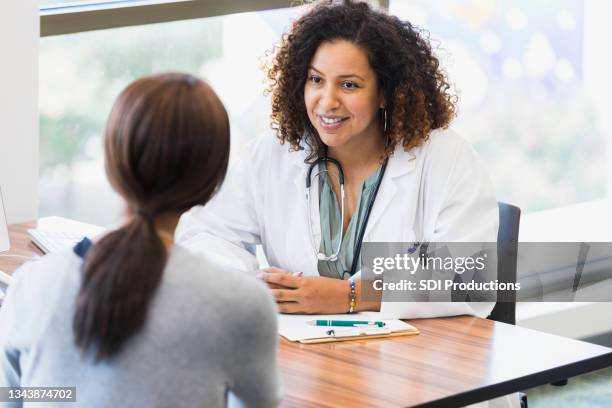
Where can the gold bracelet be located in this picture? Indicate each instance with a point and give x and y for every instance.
(352, 297)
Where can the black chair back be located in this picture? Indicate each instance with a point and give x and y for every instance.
(507, 249)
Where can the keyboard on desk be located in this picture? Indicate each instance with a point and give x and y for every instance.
(54, 241)
(53, 234)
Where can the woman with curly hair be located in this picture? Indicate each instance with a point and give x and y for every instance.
(357, 95)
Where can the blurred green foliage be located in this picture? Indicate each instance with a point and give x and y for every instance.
(64, 138)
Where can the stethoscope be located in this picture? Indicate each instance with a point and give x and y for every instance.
(334, 256)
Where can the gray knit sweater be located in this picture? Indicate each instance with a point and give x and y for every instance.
(210, 339)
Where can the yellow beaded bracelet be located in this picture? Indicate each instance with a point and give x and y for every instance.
(352, 300)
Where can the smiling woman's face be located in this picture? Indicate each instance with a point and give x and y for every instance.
(342, 96)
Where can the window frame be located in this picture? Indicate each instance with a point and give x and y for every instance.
(90, 16)
(80, 17)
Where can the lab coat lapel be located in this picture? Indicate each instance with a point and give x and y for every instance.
(300, 185)
(400, 164)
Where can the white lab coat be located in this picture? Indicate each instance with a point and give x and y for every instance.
(438, 192)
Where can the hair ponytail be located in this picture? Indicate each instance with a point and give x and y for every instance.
(118, 285)
(166, 150)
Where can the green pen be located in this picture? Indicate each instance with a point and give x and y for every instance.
(345, 323)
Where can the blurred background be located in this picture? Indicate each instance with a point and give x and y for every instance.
(531, 76)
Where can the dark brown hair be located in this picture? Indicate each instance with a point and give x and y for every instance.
(417, 94)
(166, 150)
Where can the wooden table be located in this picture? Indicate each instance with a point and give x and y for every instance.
(21, 245)
(453, 362)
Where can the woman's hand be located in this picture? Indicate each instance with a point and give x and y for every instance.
(307, 295)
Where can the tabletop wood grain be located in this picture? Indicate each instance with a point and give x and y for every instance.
(21, 246)
(453, 361)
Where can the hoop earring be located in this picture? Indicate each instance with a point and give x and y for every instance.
(384, 120)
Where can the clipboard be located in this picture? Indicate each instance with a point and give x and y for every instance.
(295, 328)
(359, 335)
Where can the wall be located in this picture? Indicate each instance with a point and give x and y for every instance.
(19, 34)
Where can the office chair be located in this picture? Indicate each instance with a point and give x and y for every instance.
(507, 249)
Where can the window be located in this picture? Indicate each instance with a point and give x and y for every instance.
(44, 3)
(531, 78)
(528, 101)
(82, 74)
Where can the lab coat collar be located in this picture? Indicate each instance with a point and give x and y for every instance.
(298, 159)
(400, 163)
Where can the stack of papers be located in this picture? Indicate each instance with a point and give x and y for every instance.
(297, 328)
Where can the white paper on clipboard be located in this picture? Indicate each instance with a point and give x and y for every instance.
(296, 327)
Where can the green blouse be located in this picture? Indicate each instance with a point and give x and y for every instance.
(331, 216)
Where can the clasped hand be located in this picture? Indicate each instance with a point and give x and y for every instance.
(306, 295)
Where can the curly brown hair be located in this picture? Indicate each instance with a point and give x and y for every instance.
(418, 94)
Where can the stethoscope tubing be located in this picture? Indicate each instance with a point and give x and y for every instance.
(320, 255)
(359, 241)
(366, 216)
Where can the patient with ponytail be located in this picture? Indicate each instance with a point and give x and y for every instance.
(130, 319)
